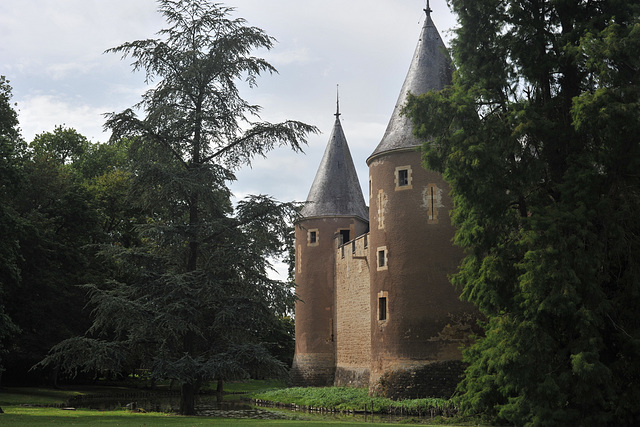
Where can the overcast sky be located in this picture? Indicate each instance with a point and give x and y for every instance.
(52, 53)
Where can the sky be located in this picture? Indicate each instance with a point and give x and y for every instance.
(52, 52)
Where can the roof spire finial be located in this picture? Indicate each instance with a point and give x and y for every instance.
(428, 9)
(337, 101)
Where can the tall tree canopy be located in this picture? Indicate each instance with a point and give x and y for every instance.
(539, 136)
(192, 300)
(10, 224)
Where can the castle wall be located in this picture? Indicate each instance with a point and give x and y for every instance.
(316, 240)
(425, 321)
(353, 314)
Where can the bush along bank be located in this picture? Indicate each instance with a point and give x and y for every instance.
(352, 400)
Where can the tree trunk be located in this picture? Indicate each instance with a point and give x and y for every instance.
(187, 399)
(220, 390)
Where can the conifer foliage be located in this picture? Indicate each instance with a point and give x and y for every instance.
(539, 136)
(192, 301)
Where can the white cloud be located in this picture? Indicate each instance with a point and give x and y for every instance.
(42, 113)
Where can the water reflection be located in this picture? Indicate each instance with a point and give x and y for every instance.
(209, 407)
(205, 406)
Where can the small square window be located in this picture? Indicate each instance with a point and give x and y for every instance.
(403, 177)
(312, 237)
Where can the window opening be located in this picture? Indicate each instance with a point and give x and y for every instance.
(345, 236)
(403, 177)
(382, 308)
(382, 258)
(313, 237)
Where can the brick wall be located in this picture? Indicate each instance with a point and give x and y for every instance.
(353, 314)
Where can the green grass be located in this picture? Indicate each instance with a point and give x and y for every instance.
(18, 416)
(354, 399)
(17, 403)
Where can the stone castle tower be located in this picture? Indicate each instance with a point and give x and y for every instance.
(376, 307)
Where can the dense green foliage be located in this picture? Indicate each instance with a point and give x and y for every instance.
(190, 299)
(10, 224)
(539, 137)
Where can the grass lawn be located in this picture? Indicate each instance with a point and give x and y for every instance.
(24, 406)
(28, 416)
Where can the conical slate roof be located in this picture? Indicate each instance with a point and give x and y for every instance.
(336, 190)
(430, 70)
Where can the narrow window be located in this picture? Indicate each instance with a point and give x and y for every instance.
(382, 258)
(381, 200)
(344, 234)
(382, 308)
(353, 247)
(432, 202)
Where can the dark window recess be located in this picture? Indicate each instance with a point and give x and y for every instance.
(353, 247)
(313, 237)
(403, 177)
(382, 308)
(345, 236)
(381, 256)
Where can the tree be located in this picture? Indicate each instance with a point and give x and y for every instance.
(11, 146)
(539, 139)
(64, 145)
(59, 225)
(193, 300)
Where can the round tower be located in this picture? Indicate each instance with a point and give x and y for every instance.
(335, 212)
(417, 317)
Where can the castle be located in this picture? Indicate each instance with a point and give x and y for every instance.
(376, 308)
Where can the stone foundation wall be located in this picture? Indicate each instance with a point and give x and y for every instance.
(313, 370)
(436, 379)
(355, 377)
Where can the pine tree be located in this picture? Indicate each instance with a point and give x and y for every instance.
(539, 136)
(193, 301)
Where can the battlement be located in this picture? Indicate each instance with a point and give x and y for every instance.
(357, 248)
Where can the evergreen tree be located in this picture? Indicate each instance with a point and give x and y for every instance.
(11, 146)
(193, 300)
(539, 136)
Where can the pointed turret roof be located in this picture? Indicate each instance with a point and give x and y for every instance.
(430, 70)
(336, 190)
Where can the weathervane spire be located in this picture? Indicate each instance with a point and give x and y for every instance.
(428, 9)
(337, 101)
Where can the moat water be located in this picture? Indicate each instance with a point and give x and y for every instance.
(208, 406)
